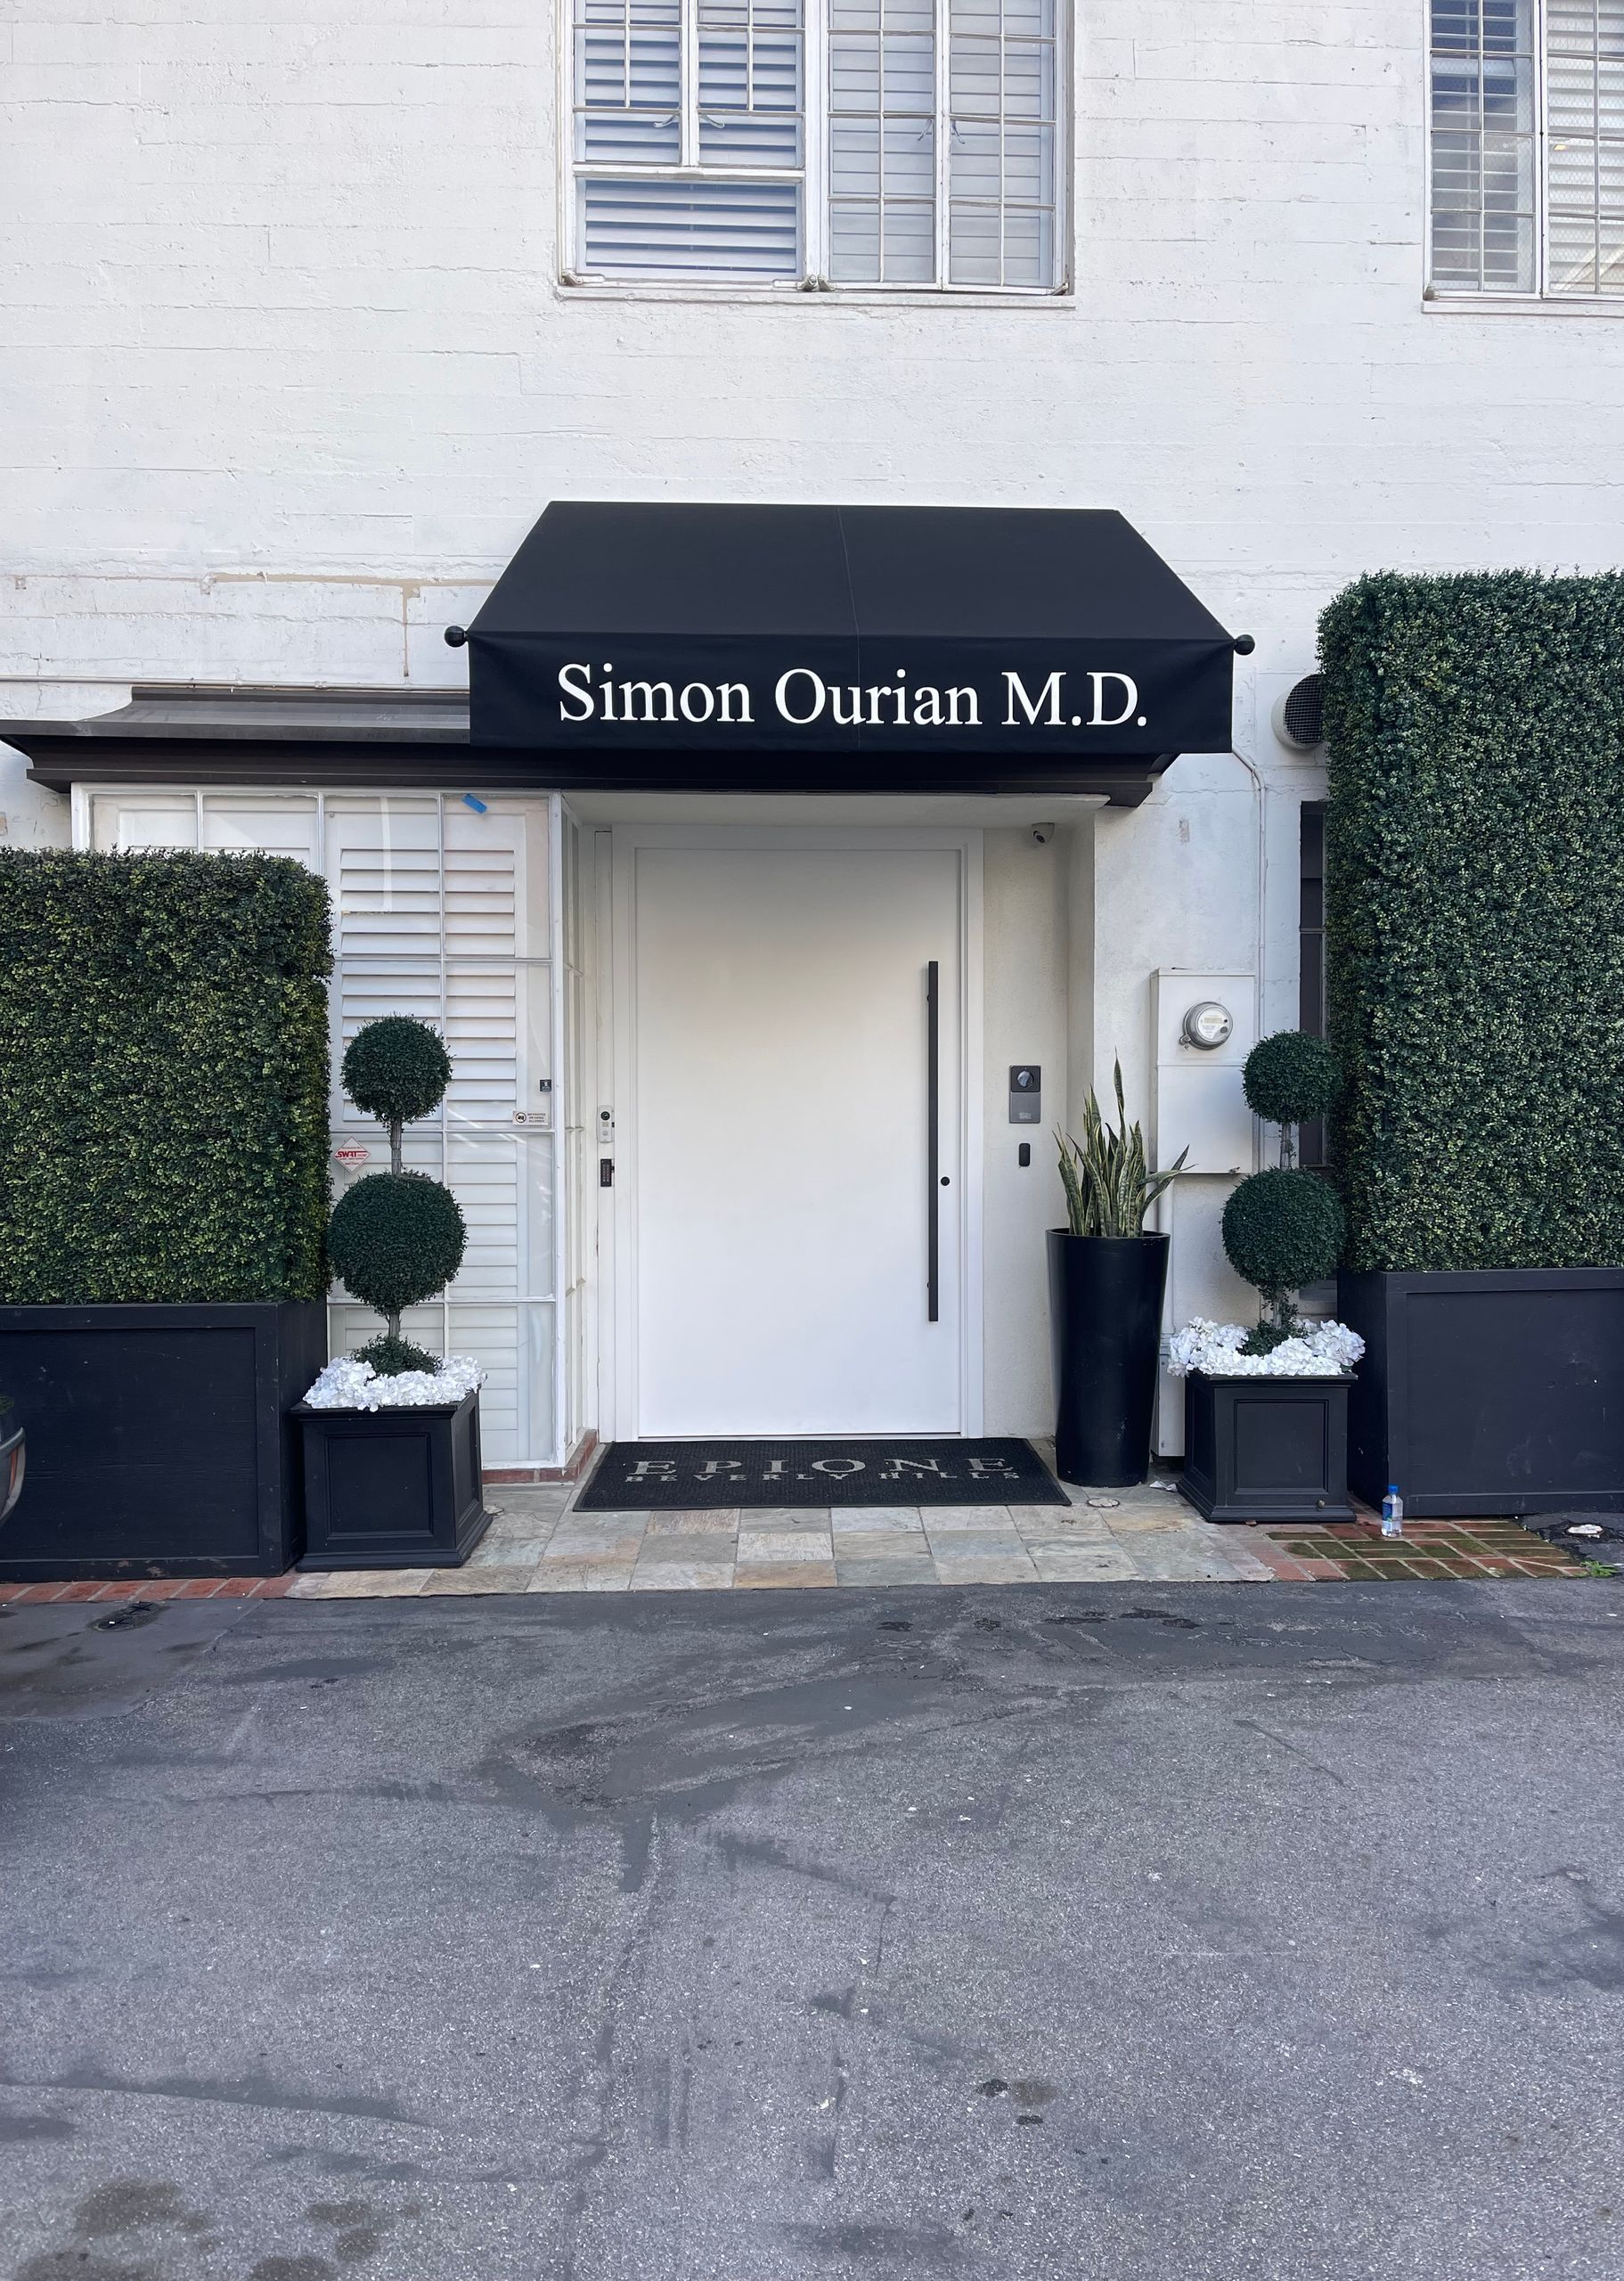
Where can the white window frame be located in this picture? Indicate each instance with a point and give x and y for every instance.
(814, 283)
(1476, 301)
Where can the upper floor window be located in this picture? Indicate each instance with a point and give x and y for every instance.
(907, 143)
(1528, 146)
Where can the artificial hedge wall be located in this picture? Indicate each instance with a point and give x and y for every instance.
(163, 1078)
(1474, 923)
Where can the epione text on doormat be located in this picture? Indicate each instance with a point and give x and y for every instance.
(677, 1477)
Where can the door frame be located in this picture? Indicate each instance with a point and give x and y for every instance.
(616, 1248)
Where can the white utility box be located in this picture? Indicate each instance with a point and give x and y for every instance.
(1196, 1098)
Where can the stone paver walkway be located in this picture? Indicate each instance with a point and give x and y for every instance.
(538, 1543)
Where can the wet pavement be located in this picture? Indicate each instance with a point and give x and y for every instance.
(1017, 1933)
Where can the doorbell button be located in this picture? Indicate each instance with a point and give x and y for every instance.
(1025, 1093)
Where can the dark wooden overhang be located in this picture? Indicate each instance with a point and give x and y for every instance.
(232, 733)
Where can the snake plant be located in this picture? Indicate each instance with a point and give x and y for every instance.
(1108, 1188)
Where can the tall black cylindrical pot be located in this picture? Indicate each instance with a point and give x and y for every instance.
(1105, 1297)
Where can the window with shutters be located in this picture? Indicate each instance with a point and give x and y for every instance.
(1528, 148)
(914, 144)
(447, 912)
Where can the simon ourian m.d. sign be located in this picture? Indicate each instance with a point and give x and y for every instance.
(629, 628)
(802, 697)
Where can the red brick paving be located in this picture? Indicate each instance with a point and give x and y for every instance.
(150, 1588)
(1272, 1555)
(1471, 1550)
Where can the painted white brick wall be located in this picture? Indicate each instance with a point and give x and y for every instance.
(286, 373)
(280, 305)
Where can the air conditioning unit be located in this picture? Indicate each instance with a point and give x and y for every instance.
(1299, 716)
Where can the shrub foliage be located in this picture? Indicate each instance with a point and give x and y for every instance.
(1291, 1078)
(1282, 1230)
(163, 1078)
(395, 1240)
(1475, 879)
(396, 1069)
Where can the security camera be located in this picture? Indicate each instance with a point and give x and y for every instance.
(1041, 834)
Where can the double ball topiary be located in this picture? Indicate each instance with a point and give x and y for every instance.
(397, 1238)
(1284, 1228)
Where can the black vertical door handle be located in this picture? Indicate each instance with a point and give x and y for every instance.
(933, 1142)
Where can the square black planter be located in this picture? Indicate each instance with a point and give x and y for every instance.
(1267, 1449)
(159, 1440)
(392, 1488)
(1489, 1390)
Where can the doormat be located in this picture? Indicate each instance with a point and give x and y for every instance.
(687, 1476)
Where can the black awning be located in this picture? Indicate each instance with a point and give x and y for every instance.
(1054, 638)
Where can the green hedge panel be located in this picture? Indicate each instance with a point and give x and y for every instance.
(163, 1078)
(1475, 917)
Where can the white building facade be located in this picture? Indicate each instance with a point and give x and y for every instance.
(309, 313)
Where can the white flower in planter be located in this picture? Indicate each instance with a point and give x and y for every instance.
(349, 1384)
(1319, 1350)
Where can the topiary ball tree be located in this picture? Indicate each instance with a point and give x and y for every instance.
(1284, 1228)
(1291, 1079)
(396, 1070)
(397, 1238)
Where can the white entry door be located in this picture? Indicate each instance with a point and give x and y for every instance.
(791, 1251)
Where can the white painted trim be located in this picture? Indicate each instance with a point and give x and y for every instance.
(1523, 305)
(601, 1256)
(618, 1398)
(621, 1342)
(558, 1070)
(902, 298)
(972, 1300)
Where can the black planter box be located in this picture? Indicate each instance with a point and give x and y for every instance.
(158, 1441)
(1497, 1391)
(392, 1488)
(1267, 1449)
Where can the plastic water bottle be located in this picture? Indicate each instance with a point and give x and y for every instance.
(1392, 1511)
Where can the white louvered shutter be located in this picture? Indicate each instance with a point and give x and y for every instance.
(1484, 83)
(1003, 97)
(127, 823)
(629, 82)
(881, 70)
(750, 99)
(689, 172)
(447, 930)
(691, 231)
(1585, 145)
(252, 824)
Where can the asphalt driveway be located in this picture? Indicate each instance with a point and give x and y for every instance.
(1148, 1931)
